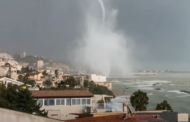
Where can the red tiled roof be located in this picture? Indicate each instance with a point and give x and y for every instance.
(111, 118)
(61, 93)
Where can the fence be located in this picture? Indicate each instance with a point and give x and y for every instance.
(107, 107)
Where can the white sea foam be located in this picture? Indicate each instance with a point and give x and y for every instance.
(150, 94)
(177, 91)
(172, 84)
(156, 81)
(115, 81)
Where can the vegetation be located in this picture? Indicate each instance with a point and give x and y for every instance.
(25, 79)
(44, 73)
(47, 84)
(139, 100)
(26, 70)
(97, 89)
(16, 98)
(56, 73)
(164, 106)
(100, 101)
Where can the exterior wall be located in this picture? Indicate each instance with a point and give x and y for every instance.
(36, 77)
(98, 78)
(40, 64)
(14, 116)
(106, 84)
(64, 112)
(3, 71)
(2, 63)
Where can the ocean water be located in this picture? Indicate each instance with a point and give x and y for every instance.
(170, 85)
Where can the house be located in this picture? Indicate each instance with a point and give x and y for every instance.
(36, 76)
(6, 80)
(166, 115)
(100, 80)
(61, 103)
(104, 118)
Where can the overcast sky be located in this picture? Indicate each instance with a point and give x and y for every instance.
(159, 29)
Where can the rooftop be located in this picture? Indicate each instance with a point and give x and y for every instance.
(111, 118)
(61, 93)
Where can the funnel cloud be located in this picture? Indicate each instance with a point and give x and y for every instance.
(104, 48)
(103, 10)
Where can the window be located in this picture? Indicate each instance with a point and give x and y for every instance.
(88, 101)
(51, 101)
(78, 101)
(40, 101)
(68, 101)
(73, 101)
(62, 101)
(83, 101)
(46, 102)
(58, 102)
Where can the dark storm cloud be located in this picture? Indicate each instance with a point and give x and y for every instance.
(53, 28)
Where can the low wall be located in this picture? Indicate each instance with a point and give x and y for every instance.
(14, 116)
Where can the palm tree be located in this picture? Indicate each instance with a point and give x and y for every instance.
(164, 106)
(139, 100)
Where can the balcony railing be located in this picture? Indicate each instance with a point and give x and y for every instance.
(107, 107)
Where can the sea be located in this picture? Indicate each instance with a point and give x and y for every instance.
(170, 84)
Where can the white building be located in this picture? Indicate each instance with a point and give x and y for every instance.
(60, 104)
(6, 80)
(40, 64)
(97, 78)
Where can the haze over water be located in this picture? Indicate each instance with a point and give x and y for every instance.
(170, 85)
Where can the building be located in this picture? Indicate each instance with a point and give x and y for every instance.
(6, 81)
(40, 64)
(37, 76)
(100, 80)
(61, 103)
(23, 55)
(117, 117)
(97, 78)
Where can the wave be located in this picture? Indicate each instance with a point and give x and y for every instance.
(179, 92)
(172, 84)
(156, 81)
(150, 94)
(115, 81)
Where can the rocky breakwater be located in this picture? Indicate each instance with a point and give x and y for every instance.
(184, 91)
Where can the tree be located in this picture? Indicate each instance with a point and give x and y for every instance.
(16, 98)
(26, 70)
(47, 83)
(139, 100)
(56, 73)
(44, 73)
(98, 89)
(26, 80)
(71, 82)
(164, 106)
(20, 77)
(85, 84)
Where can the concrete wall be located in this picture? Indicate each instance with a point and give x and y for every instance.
(98, 78)
(14, 116)
(63, 112)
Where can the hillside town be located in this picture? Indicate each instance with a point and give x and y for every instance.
(74, 97)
